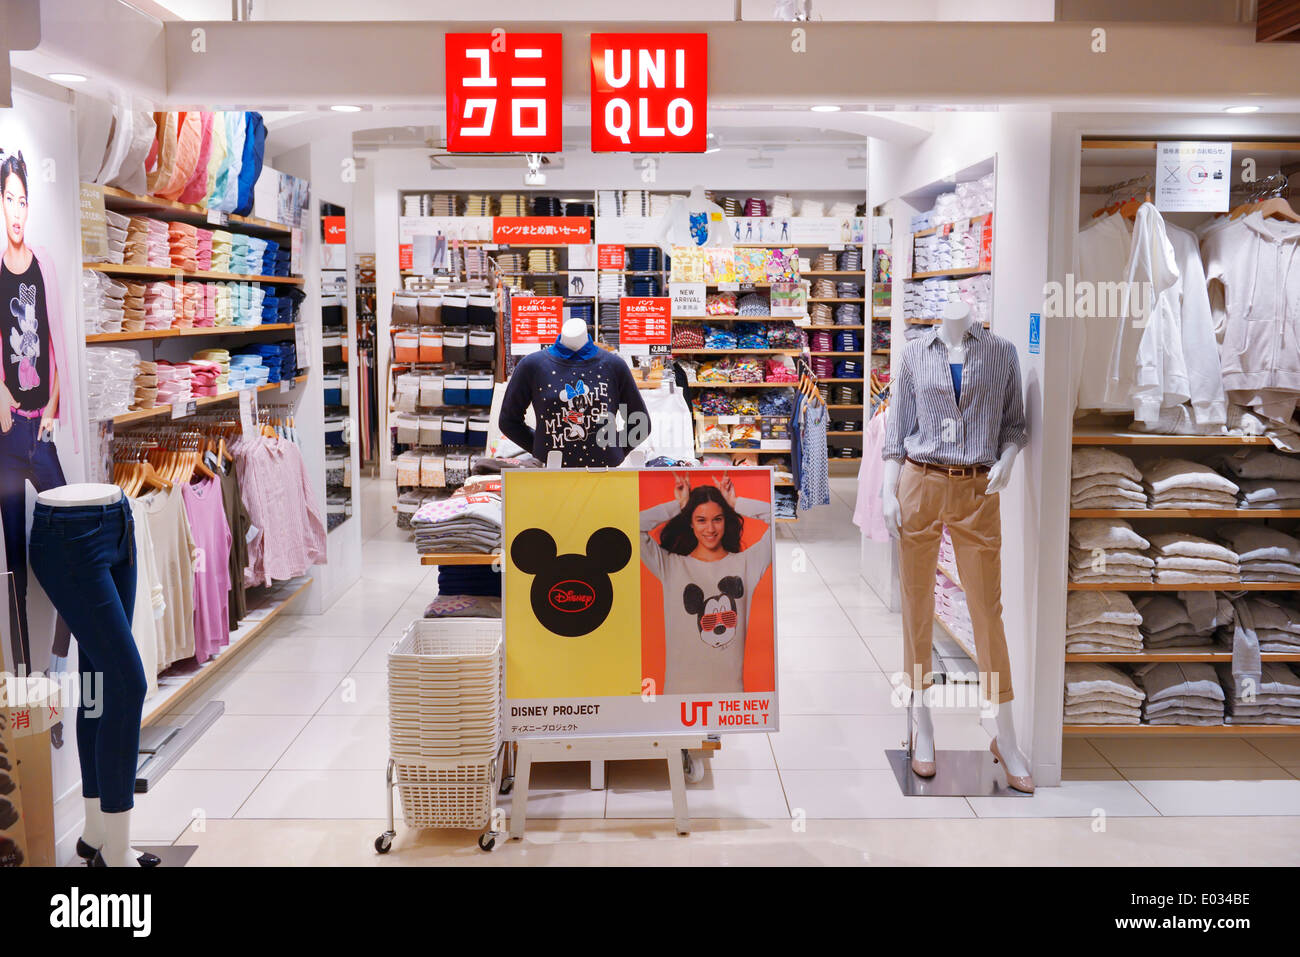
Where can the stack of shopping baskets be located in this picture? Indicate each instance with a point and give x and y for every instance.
(444, 725)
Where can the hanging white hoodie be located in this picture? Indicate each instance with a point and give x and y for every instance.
(1258, 314)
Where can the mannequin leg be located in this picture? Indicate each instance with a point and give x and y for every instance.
(1015, 762)
(918, 555)
(117, 850)
(924, 749)
(92, 832)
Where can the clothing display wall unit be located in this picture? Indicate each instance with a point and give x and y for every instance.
(366, 363)
(1204, 597)
(338, 357)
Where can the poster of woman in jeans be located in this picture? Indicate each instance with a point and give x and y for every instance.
(31, 346)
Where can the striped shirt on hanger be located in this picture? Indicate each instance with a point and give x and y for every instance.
(927, 424)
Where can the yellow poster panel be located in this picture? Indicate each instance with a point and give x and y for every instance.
(572, 584)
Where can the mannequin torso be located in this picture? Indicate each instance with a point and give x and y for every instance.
(573, 334)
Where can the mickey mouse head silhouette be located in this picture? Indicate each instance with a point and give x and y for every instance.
(571, 594)
(715, 616)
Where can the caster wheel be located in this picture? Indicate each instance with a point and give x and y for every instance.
(487, 841)
(507, 785)
(693, 767)
(383, 843)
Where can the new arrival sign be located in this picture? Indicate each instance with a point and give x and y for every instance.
(639, 602)
(649, 92)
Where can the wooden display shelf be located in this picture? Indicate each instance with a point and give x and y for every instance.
(1191, 586)
(857, 381)
(748, 385)
(1106, 437)
(810, 299)
(962, 643)
(831, 326)
(836, 352)
(729, 318)
(201, 402)
(122, 201)
(834, 247)
(948, 573)
(1205, 656)
(880, 352)
(1185, 513)
(935, 273)
(934, 229)
(842, 406)
(843, 433)
(187, 333)
(736, 352)
(832, 272)
(1178, 730)
(740, 448)
(460, 558)
(168, 272)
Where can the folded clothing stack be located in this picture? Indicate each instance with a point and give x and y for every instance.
(1099, 622)
(223, 310)
(203, 377)
(183, 245)
(478, 580)
(469, 521)
(239, 254)
(1267, 479)
(1181, 693)
(221, 246)
(1266, 554)
(116, 226)
(133, 313)
(188, 305)
(146, 243)
(1275, 700)
(159, 305)
(270, 257)
(1108, 550)
(1167, 623)
(203, 251)
(221, 359)
(1182, 483)
(1101, 694)
(1277, 624)
(1101, 478)
(103, 300)
(110, 380)
(256, 256)
(146, 385)
(1182, 558)
(247, 371)
(283, 259)
(174, 382)
(784, 505)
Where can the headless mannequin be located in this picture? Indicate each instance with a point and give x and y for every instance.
(110, 834)
(573, 334)
(952, 332)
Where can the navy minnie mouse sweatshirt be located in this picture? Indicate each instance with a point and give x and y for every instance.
(572, 395)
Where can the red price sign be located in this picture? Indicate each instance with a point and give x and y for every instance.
(649, 92)
(535, 320)
(336, 230)
(611, 257)
(406, 256)
(504, 92)
(541, 230)
(644, 321)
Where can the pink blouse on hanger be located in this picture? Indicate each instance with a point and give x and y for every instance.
(212, 540)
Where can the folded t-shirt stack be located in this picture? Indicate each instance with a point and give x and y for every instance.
(1267, 554)
(269, 258)
(221, 241)
(1182, 483)
(183, 245)
(1275, 700)
(1267, 479)
(174, 381)
(146, 243)
(466, 522)
(146, 385)
(1182, 558)
(1099, 622)
(1101, 694)
(1167, 623)
(478, 580)
(1181, 693)
(203, 251)
(221, 359)
(1108, 550)
(1101, 478)
(159, 305)
(256, 255)
(1277, 624)
(203, 378)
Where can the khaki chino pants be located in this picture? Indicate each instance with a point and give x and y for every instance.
(929, 500)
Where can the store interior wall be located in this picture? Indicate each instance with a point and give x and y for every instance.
(1021, 144)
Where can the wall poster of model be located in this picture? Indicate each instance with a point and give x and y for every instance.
(639, 602)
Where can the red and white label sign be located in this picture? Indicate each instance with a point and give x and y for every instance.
(336, 229)
(541, 230)
(535, 320)
(611, 257)
(644, 321)
(504, 92)
(649, 92)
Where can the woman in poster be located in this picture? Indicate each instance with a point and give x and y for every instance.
(708, 582)
(30, 346)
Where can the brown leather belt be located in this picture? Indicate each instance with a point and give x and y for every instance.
(952, 471)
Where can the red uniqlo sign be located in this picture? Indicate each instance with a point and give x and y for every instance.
(611, 257)
(535, 319)
(504, 92)
(541, 230)
(644, 321)
(649, 92)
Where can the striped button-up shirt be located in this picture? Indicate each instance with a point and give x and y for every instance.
(926, 422)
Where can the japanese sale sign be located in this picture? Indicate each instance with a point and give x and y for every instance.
(504, 92)
(649, 92)
(609, 256)
(541, 230)
(644, 321)
(624, 613)
(534, 321)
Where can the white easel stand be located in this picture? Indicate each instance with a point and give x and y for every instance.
(599, 750)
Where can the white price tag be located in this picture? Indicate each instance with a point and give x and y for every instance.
(217, 217)
(728, 287)
(836, 247)
(182, 409)
(285, 385)
(728, 420)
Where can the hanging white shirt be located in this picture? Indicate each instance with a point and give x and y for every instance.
(1102, 258)
(1200, 347)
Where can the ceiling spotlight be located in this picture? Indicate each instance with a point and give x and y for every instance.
(345, 108)
(826, 108)
(534, 176)
(67, 77)
(1241, 109)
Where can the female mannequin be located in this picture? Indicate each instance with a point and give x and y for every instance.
(83, 554)
(957, 421)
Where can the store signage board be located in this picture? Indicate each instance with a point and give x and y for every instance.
(643, 323)
(505, 92)
(424, 242)
(611, 256)
(649, 92)
(832, 231)
(295, 251)
(1193, 176)
(609, 632)
(541, 230)
(94, 224)
(336, 230)
(535, 321)
(1035, 333)
(629, 230)
(688, 299)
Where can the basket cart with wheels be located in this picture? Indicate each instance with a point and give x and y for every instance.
(444, 726)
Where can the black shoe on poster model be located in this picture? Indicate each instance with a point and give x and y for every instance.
(94, 858)
(56, 735)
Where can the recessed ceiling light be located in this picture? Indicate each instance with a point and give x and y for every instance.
(826, 109)
(345, 108)
(68, 77)
(1241, 109)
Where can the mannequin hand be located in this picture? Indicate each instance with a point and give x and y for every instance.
(47, 427)
(6, 409)
(893, 512)
(1000, 473)
(681, 489)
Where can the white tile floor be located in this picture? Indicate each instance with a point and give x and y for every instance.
(304, 739)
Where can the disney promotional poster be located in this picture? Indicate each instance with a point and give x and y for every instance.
(639, 602)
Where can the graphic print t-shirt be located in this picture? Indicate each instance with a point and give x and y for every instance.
(572, 399)
(25, 329)
(698, 659)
